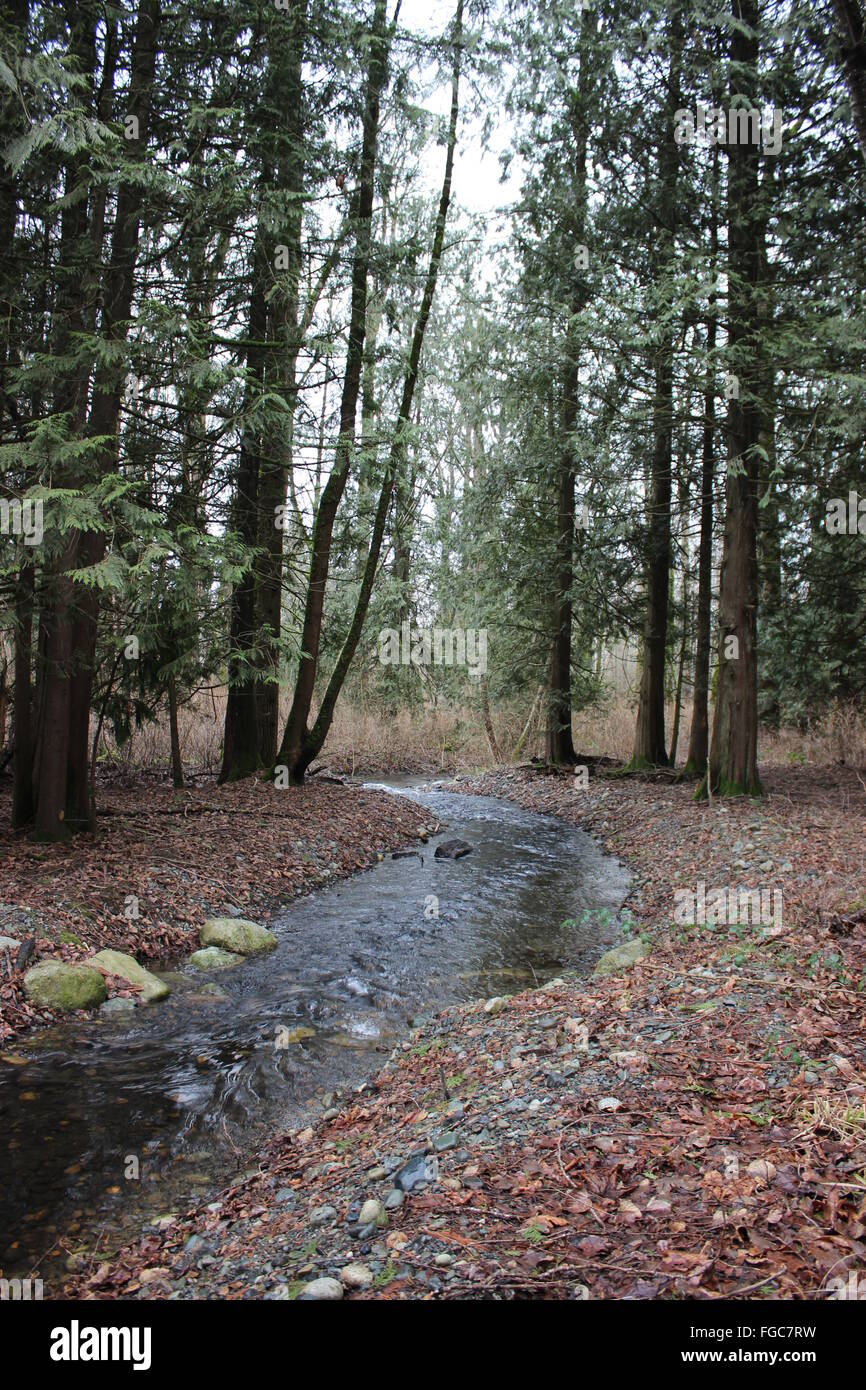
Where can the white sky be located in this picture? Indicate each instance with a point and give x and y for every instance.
(476, 170)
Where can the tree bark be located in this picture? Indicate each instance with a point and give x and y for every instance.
(54, 672)
(281, 369)
(560, 743)
(23, 801)
(292, 752)
(241, 735)
(176, 760)
(733, 766)
(851, 29)
(488, 721)
(649, 742)
(699, 737)
(64, 800)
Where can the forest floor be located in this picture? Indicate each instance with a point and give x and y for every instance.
(176, 858)
(694, 1126)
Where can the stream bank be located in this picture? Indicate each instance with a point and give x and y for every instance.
(691, 1127)
(161, 861)
(114, 1123)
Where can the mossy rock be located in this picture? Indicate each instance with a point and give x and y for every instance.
(621, 957)
(238, 935)
(175, 979)
(212, 991)
(214, 958)
(118, 963)
(56, 985)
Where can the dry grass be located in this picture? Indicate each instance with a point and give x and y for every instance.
(365, 739)
(838, 737)
(834, 1115)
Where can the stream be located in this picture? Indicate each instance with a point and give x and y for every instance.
(116, 1121)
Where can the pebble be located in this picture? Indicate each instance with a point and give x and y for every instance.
(372, 1213)
(419, 1169)
(496, 1004)
(322, 1216)
(394, 1199)
(356, 1276)
(324, 1290)
(444, 1141)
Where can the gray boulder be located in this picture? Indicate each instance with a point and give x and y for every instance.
(452, 849)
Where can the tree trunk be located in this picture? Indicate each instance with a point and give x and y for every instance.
(64, 801)
(699, 737)
(176, 761)
(733, 768)
(313, 742)
(488, 722)
(241, 735)
(276, 458)
(118, 289)
(4, 695)
(560, 744)
(852, 38)
(769, 523)
(23, 804)
(685, 637)
(292, 751)
(13, 19)
(70, 396)
(649, 742)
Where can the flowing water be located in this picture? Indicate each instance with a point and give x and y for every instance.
(113, 1122)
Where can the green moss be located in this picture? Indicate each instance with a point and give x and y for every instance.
(127, 968)
(385, 1276)
(621, 957)
(727, 788)
(56, 985)
(636, 765)
(237, 934)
